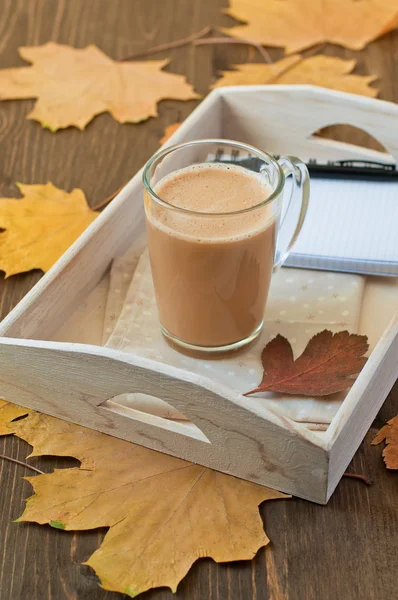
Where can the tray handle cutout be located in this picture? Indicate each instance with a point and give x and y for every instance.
(74, 382)
(84, 384)
(385, 150)
(349, 134)
(143, 407)
(303, 110)
(320, 108)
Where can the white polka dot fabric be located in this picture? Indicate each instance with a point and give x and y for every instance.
(301, 303)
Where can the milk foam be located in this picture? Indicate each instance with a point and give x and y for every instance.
(213, 188)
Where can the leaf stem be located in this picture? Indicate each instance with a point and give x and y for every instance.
(263, 52)
(169, 45)
(360, 477)
(226, 40)
(23, 464)
(299, 60)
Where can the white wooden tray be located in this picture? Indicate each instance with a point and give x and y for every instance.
(73, 381)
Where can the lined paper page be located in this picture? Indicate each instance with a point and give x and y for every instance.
(352, 226)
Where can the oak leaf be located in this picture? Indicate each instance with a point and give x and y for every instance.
(326, 71)
(326, 366)
(389, 434)
(40, 226)
(168, 132)
(163, 513)
(299, 24)
(74, 85)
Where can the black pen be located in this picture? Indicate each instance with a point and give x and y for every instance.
(353, 169)
(340, 169)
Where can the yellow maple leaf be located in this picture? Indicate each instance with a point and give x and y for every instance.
(74, 85)
(163, 513)
(9, 412)
(40, 226)
(326, 71)
(299, 24)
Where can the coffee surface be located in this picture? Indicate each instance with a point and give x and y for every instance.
(211, 271)
(214, 188)
(209, 189)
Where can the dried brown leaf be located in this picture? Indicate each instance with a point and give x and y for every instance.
(327, 365)
(389, 435)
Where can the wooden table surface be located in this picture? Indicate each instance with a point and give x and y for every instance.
(346, 550)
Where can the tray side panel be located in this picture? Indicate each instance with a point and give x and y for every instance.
(288, 116)
(72, 381)
(362, 404)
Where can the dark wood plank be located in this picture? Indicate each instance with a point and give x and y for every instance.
(348, 549)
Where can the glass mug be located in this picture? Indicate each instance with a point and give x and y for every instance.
(212, 271)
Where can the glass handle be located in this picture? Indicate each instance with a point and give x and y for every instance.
(298, 202)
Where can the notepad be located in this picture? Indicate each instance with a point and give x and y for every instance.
(350, 226)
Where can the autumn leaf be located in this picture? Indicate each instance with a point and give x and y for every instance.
(326, 366)
(74, 85)
(299, 24)
(40, 226)
(9, 412)
(389, 435)
(163, 513)
(326, 71)
(168, 132)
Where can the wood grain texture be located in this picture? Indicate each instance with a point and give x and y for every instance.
(237, 437)
(348, 549)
